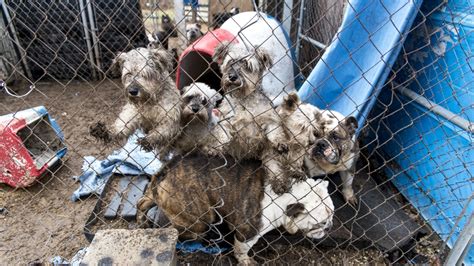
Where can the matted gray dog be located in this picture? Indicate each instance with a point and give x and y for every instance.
(153, 103)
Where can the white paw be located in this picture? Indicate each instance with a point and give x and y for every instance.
(350, 197)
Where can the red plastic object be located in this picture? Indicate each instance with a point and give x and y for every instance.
(30, 143)
(17, 167)
(195, 63)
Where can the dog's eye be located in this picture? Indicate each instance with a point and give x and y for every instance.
(247, 65)
(335, 137)
(204, 101)
(187, 99)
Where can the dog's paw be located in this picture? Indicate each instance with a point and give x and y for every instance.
(100, 132)
(282, 148)
(297, 175)
(350, 197)
(145, 144)
(353, 201)
(247, 262)
(211, 151)
(143, 206)
(281, 186)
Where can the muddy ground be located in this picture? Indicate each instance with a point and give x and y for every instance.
(41, 221)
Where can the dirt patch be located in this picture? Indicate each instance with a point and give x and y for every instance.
(41, 221)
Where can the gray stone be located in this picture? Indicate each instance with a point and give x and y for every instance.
(133, 247)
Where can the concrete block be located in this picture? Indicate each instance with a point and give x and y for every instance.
(132, 247)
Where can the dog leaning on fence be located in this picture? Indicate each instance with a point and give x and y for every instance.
(200, 130)
(336, 150)
(320, 142)
(255, 127)
(215, 191)
(153, 103)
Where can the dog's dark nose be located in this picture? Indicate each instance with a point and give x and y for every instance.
(233, 76)
(321, 145)
(133, 91)
(195, 109)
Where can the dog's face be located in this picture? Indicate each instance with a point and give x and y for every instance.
(337, 140)
(165, 19)
(143, 72)
(313, 213)
(198, 101)
(193, 31)
(242, 69)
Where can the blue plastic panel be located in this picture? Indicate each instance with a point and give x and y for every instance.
(351, 72)
(432, 165)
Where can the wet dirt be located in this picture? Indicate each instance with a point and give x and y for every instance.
(41, 221)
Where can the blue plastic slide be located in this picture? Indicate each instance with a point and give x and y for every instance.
(354, 67)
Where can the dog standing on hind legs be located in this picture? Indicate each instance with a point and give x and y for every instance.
(153, 103)
(255, 127)
(200, 130)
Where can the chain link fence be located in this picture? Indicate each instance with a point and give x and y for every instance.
(225, 151)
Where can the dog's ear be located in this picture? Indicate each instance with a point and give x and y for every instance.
(183, 90)
(264, 58)
(220, 52)
(117, 63)
(318, 123)
(295, 209)
(291, 102)
(154, 45)
(219, 102)
(163, 58)
(351, 125)
(198, 26)
(119, 59)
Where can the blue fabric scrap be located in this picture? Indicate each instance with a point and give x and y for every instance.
(131, 159)
(194, 246)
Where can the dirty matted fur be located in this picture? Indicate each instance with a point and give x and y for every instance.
(302, 123)
(199, 122)
(255, 125)
(153, 103)
(219, 190)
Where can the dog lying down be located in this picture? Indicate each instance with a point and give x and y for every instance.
(199, 191)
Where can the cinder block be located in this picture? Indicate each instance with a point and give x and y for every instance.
(132, 247)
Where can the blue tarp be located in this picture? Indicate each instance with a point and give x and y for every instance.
(354, 67)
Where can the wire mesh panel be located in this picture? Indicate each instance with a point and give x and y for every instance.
(207, 129)
(52, 35)
(119, 27)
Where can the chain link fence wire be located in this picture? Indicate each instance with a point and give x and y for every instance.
(413, 169)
